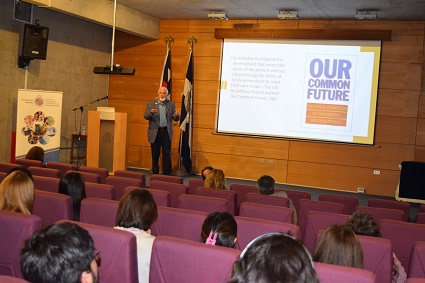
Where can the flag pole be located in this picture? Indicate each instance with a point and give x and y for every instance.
(181, 171)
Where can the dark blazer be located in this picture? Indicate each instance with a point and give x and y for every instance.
(170, 108)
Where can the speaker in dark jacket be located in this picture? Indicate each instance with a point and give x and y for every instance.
(35, 42)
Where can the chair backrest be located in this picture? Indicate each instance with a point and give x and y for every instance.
(88, 177)
(318, 221)
(102, 172)
(15, 228)
(2, 176)
(118, 253)
(250, 228)
(201, 203)
(96, 190)
(162, 198)
(120, 183)
(296, 196)
(175, 189)
(391, 204)
(307, 205)
(228, 195)
(131, 174)
(175, 260)
(377, 257)
(267, 212)
(242, 191)
(379, 213)
(29, 162)
(52, 207)
(46, 184)
(420, 218)
(10, 279)
(179, 223)
(402, 235)
(417, 260)
(331, 273)
(422, 208)
(415, 280)
(6, 167)
(46, 172)
(61, 166)
(194, 183)
(99, 211)
(166, 178)
(267, 199)
(350, 202)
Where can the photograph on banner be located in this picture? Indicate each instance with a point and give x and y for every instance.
(38, 122)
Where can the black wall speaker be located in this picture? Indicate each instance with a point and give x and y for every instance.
(35, 42)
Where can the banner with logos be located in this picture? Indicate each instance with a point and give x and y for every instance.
(38, 122)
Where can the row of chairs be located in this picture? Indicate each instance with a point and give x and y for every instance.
(118, 247)
(99, 175)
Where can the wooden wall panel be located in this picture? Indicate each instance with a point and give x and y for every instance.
(400, 124)
(206, 141)
(245, 167)
(343, 178)
(398, 103)
(387, 156)
(395, 130)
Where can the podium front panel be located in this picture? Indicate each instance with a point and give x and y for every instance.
(106, 145)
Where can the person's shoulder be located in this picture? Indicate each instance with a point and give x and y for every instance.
(280, 193)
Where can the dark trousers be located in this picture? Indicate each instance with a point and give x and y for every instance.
(163, 142)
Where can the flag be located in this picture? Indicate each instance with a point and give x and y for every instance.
(186, 118)
(166, 73)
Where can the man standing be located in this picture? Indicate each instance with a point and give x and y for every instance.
(160, 112)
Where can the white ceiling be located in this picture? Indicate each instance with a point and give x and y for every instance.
(268, 9)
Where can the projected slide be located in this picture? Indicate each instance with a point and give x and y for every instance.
(321, 90)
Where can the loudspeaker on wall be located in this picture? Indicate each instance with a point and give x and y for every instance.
(35, 42)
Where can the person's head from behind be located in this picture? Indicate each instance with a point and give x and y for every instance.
(61, 252)
(206, 171)
(274, 257)
(339, 245)
(17, 193)
(216, 180)
(265, 185)
(35, 153)
(137, 209)
(219, 229)
(72, 184)
(363, 223)
(22, 169)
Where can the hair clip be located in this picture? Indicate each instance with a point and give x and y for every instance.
(211, 238)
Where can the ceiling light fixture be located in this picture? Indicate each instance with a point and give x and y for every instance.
(366, 15)
(218, 15)
(288, 15)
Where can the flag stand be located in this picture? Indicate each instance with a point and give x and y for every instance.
(188, 109)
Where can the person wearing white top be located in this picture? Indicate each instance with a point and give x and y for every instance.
(137, 212)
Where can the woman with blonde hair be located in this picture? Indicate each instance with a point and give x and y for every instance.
(216, 180)
(17, 193)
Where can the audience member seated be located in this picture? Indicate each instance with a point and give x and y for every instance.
(219, 229)
(35, 153)
(137, 212)
(274, 257)
(22, 169)
(60, 253)
(363, 223)
(72, 184)
(266, 186)
(216, 180)
(339, 245)
(206, 171)
(17, 193)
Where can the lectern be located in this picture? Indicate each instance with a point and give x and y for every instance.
(107, 139)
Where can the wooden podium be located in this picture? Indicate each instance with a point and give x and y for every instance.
(107, 139)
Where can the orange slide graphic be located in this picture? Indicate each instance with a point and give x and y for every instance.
(326, 114)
